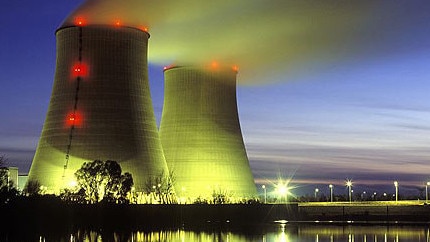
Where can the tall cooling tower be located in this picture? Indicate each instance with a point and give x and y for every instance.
(100, 107)
(201, 136)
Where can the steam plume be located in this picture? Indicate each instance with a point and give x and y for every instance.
(268, 40)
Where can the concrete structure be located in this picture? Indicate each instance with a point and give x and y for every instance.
(100, 107)
(9, 175)
(13, 176)
(201, 136)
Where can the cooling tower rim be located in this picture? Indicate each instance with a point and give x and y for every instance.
(102, 26)
(199, 68)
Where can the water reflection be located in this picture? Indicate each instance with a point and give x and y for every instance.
(275, 232)
(364, 233)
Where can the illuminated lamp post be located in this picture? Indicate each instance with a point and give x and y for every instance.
(265, 194)
(331, 192)
(396, 185)
(349, 185)
(363, 195)
(316, 193)
(427, 194)
(283, 192)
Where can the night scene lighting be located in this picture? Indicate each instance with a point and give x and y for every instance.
(140, 136)
(328, 94)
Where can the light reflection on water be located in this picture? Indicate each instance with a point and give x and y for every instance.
(281, 233)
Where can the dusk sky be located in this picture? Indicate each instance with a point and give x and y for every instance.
(327, 90)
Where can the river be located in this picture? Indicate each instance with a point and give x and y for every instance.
(283, 232)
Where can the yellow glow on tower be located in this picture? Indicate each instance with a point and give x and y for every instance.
(201, 136)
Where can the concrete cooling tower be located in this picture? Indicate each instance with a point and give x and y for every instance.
(201, 136)
(100, 107)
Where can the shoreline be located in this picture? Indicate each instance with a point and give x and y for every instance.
(46, 212)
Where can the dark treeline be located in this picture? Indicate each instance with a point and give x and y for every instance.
(43, 214)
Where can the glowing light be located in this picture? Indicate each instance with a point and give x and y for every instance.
(79, 70)
(235, 68)
(117, 23)
(73, 183)
(283, 189)
(80, 21)
(74, 119)
(282, 221)
(144, 28)
(168, 67)
(396, 185)
(214, 64)
(348, 183)
(331, 192)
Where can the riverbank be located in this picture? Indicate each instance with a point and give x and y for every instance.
(48, 213)
(366, 212)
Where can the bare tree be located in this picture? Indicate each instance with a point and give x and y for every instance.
(5, 182)
(32, 188)
(220, 196)
(7, 188)
(162, 186)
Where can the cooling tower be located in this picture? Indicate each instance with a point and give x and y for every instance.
(100, 107)
(201, 136)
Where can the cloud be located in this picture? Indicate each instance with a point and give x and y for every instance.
(328, 162)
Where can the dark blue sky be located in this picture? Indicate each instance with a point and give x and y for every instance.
(328, 91)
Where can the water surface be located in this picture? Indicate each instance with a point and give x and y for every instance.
(265, 233)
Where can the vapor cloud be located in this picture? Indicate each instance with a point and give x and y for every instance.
(270, 41)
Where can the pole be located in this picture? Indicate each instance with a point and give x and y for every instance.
(427, 194)
(349, 190)
(265, 194)
(396, 184)
(331, 192)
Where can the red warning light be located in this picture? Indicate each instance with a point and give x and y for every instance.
(143, 28)
(117, 23)
(79, 70)
(214, 64)
(74, 119)
(79, 21)
(169, 67)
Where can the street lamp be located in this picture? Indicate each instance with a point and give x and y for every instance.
(349, 185)
(283, 192)
(427, 194)
(331, 192)
(265, 194)
(316, 192)
(396, 184)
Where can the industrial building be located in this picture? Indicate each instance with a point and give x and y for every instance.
(100, 107)
(201, 136)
